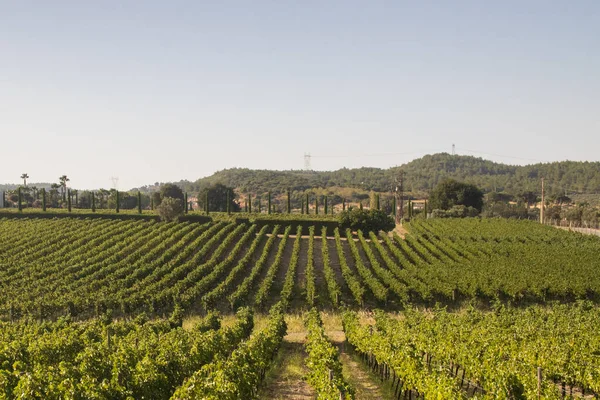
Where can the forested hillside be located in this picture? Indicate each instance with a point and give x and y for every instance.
(421, 175)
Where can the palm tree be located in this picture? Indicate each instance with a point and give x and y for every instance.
(63, 183)
(24, 177)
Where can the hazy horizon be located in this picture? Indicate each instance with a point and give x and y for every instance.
(169, 91)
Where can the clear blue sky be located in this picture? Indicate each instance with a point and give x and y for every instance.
(160, 91)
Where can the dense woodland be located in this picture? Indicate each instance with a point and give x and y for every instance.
(420, 177)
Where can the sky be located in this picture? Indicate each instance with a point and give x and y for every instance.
(157, 91)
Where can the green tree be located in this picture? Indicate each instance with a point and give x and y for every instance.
(366, 220)
(307, 203)
(20, 194)
(219, 198)
(529, 198)
(54, 194)
(170, 209)
(155, 199)
(173, 191)
(450, 193)
(43, 199)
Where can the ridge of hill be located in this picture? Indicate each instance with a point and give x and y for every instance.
(420, 176)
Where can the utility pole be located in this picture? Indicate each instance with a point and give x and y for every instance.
(542, 207)
(401, 195)
(399, 213)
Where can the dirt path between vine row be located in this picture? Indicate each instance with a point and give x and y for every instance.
(356, 373)
(285, 380)
(400, 230)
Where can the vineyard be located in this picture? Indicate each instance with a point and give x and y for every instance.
(93, 308)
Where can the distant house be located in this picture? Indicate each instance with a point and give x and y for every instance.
(193, 202)
(418, 204)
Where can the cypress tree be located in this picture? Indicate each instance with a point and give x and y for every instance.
(259, 207)
(139, 196)
(395, 207)
(20, 199)
(425, 208)
(269, 205)
(307, 210)
(228, 203)
(186, 203)
(316, 205)
(360, 205)
(76, 198)
(93, 196)
(44, 200)
(118, 201)
(409, 209)
(377, 205)
(289, 202)
(302, 207)
(152, 202)
(206, 203)
(325, 205)
(343, 204)
(249, 203)
(69, 200)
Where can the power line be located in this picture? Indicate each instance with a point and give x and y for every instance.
(499, 155)
(373, 154)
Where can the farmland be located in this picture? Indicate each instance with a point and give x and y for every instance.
(93, 307)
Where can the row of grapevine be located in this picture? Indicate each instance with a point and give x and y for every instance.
(146, 265)
(332, 286)
(210, 298)
(311, 289)
(290, 276)
(262, 293)
(243, 289)
(325, 369)
(394, 360)
(386, 276)
(466, 346)
(357, 289)
(377, 288)
(116, 360)
(238, 376)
